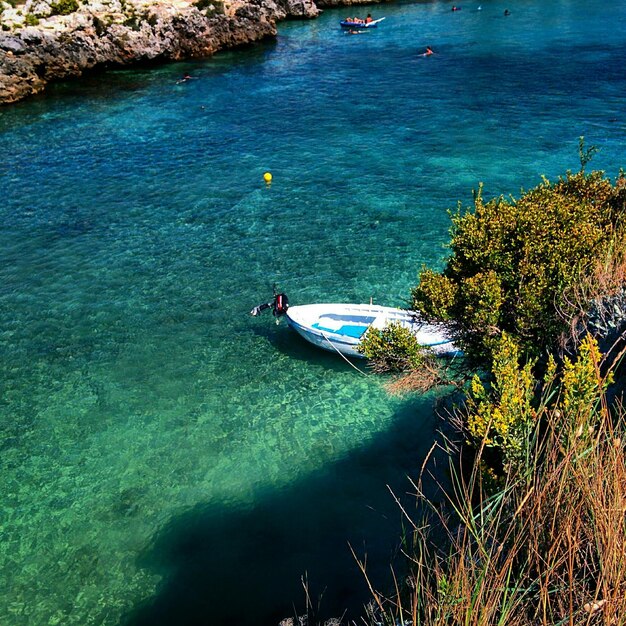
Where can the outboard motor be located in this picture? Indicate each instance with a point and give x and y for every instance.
(279, 305)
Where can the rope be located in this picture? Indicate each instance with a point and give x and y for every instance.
(343, 356)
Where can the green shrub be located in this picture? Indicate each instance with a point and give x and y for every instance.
(437, 294)
(64, 7)
(31, 20)
(514, 262)
(393, 349)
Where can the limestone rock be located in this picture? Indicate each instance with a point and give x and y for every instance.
(323, 4)
(106, 33)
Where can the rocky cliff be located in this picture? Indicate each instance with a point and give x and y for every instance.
(47, 40)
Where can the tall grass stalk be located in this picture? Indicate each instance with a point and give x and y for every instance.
(544, 549)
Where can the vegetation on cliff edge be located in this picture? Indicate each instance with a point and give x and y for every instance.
(527, 267)
(535, 532)
(544, 543)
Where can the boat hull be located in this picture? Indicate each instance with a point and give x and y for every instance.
(340, 327)
(360, 25)
(357, 25)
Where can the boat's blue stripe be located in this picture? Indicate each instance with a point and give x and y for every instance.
(321, 334)
(348, 330)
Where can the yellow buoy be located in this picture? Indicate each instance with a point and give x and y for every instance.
(267, 177)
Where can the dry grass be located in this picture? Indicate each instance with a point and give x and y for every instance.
(545, 549)
(575, 527)
(432, 373)
(421, 381)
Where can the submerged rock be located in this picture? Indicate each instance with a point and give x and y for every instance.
(45, 41)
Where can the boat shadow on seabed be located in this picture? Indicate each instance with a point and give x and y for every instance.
(224, 566)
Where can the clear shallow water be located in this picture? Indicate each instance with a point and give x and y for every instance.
(165, 457)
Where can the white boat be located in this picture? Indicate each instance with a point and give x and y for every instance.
(360, 25)
(340, 327)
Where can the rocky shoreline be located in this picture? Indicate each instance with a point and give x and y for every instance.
(46, 40)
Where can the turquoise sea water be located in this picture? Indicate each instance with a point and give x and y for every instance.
(165, 457)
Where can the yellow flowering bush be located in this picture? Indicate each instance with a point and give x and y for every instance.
(582, 387)
(393, 349)
(503, 415)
